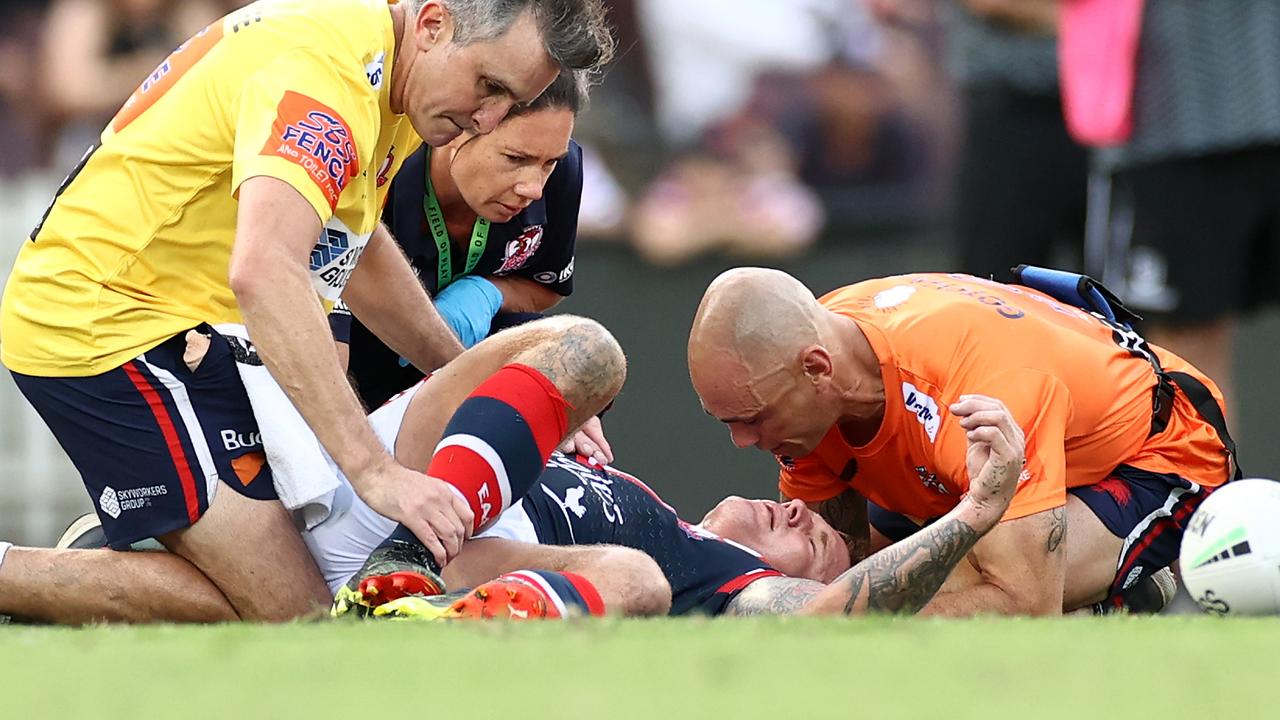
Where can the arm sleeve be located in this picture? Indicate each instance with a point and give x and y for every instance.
(553, 264)
(1041, 405)
(302, 122)
(808, 479)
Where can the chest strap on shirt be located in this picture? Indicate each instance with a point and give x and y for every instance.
(1208, 408)
(1084, 292)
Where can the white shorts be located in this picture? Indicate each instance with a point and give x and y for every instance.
(342, 541)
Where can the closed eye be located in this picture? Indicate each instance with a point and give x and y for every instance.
(492, 87)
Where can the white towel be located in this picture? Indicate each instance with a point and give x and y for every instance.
(305, 477)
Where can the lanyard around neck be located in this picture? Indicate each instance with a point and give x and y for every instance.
(440, 232)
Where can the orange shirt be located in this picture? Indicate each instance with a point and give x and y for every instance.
(1083, 401)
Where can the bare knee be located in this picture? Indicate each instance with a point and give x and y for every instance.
(581, 357)
(252, 552)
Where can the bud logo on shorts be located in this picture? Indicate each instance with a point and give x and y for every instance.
(923, 407)
(315, 137)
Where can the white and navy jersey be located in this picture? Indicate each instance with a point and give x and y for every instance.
(575, 503)
(538, 244)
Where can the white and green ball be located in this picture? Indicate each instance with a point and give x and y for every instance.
(1230, 555)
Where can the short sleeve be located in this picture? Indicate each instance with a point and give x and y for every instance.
(553, 265)
(809, 479)
(1041, 405)
(302, 122)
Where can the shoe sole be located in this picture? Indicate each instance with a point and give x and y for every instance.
(76, 530)
(1167, 585)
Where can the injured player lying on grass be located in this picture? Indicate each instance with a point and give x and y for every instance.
(745, 557)
(546, 551)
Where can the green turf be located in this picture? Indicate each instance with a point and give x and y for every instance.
(791, 669)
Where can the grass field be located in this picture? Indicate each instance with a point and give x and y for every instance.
(1200, 667)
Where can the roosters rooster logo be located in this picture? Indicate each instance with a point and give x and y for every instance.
(520, 249)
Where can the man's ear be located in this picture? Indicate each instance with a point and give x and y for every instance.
(816, 363)
(432, 25)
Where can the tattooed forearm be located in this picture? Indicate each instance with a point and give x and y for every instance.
(1057, 528)
(903, 577)
(774, 596)
(847, 513)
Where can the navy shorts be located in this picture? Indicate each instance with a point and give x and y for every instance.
(152, 439)
(1148, 510)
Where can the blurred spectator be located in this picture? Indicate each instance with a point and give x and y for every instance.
(760, 98)
(1020, 180)
(96, 52)
(20, 136)
(1189, 230)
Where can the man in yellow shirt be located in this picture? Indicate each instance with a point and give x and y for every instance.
(202, 204)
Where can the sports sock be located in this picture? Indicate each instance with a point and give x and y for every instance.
(4, 548)
(566, 594)
(498, 441)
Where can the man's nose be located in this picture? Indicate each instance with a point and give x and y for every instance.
(490, 114)
(797, 514)
(742, 436)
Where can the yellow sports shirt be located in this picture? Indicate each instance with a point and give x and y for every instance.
(136, 246)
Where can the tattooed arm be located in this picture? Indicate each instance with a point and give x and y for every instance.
(900, 578)
(1021, 567)
(774, 596)
(903, 577)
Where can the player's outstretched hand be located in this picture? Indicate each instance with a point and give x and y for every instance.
(996, 451)
(426, 505)
(590, 442)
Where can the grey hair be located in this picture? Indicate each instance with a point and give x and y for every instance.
(574, 32)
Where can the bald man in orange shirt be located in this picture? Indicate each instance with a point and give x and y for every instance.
(869, 393)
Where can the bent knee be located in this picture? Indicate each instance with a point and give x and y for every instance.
(251, 551)
(580, 356)
(596, 349)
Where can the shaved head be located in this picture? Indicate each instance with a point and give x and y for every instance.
(759, 317)
(759, 362)
(778, 368)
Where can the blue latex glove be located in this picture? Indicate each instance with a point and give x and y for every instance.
(468, 305)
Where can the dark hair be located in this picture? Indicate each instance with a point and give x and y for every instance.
(569, 91)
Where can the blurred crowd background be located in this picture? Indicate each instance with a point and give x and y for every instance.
(836, 139)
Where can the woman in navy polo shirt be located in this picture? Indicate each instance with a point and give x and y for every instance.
(488, 222)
